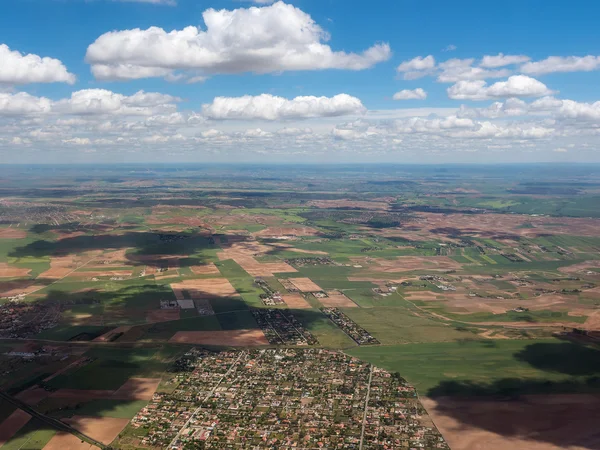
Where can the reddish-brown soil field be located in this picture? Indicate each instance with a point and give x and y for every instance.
(162, 315)
(337, 300)
(17, 287)
(12, 424)
(103, 429)
(66, 441)
(540, 422)
(305, 285)
(581, 267)
(33, 396)
(296, 301)
(12, 233)
(234, 338)
(132, 389)
(8, 271)
(82, 394)
(488, 225)
(207, 288)
(207, 269)
(137, 389)
(60, 266)
(410, 263)
(107, 336)
(252, 266)
(593, 322)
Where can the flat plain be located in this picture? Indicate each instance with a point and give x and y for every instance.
(480, 286)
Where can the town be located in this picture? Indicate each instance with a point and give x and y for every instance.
(284, 399)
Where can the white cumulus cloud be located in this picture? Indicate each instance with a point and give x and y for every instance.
(17, 68)
(501, 60)
(268, 39)
(269, 107)
(515, 86)
(410, 94)
(562, 64)
(23, 103)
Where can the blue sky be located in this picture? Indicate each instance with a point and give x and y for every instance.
(532, 110)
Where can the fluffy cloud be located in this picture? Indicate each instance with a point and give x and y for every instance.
(17, 68)
(501, 60)
(89, 102)
(269, 107)
(270, 39)
(102, 101)
(23, 103)
(408, 94)
(515, 86)
(455, 70)
(417, 67)
(418, 63)
(562, 64)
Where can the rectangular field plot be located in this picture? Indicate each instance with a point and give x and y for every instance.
(207, 269)
(336, 299)
(204, 288)
(305, 285)
(234, 338)
(296, 301)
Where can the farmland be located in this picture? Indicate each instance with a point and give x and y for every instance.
(465, 284)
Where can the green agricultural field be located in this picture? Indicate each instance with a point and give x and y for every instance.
(33, 436)
(488, 363)
(398, 325)
(118, 409)
(112, 367)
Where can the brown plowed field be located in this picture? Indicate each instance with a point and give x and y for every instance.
(410, 263)
(137, 389)
(66, 441)
(106, 336)
(234, 338)
(60, 266)
(162, 315)
(103, 429)
(305, 285)
(8, 271)
(82, 394)
(12, 424)
(207, 288)
(296, 301)
(337, 300)
(535, 422)
(207, 269)
(17, 287)
(33, 396)
(12, 233)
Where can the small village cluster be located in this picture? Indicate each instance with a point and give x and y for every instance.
(282, 328)
(284, 399)
(348, 326)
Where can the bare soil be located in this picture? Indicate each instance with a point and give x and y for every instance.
(536, 422)
(305, 285)
(296, 301)
(235, 338)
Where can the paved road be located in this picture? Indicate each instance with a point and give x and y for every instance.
(364, 422)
